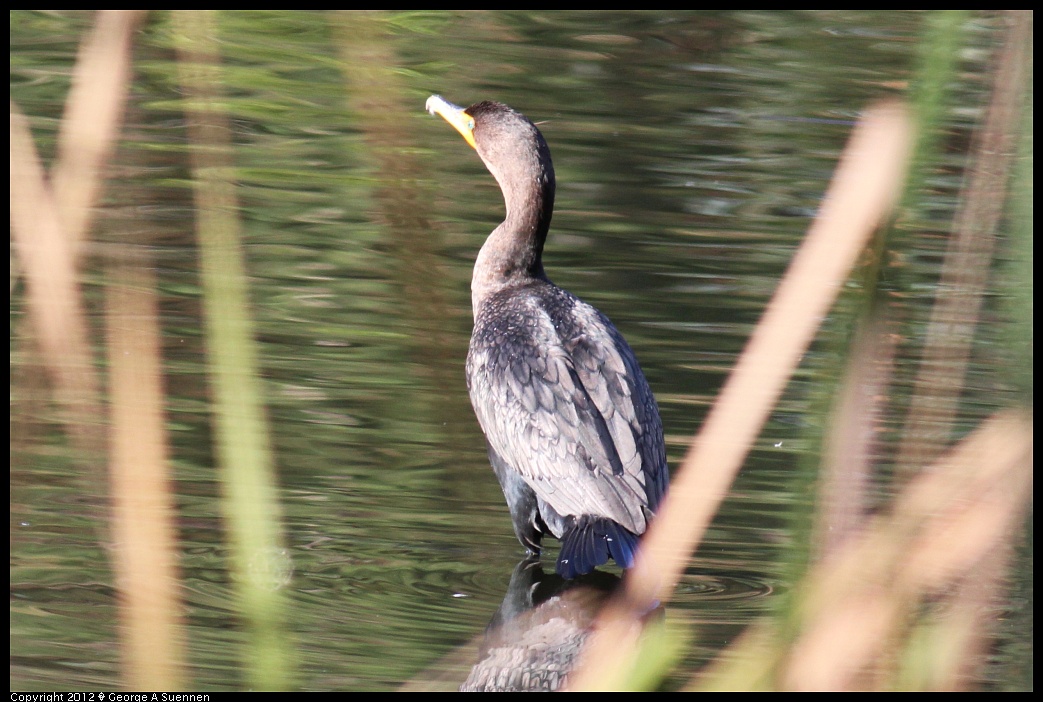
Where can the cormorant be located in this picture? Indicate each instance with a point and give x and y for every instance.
(573, 430)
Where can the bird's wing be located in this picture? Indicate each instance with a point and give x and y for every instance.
(623, 392)
(566, 406)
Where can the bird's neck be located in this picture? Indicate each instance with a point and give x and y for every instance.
(513, 253)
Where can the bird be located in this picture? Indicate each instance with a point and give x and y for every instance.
(573, 430)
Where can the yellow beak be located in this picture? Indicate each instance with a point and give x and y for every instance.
(454, 115)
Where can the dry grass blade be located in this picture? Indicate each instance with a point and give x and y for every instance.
(143, 511)
(860, 614)
(93, 113)
(863, 190)
(968, 261)
(856, 605)
(49, 222)
(849, 450)
(48, 259)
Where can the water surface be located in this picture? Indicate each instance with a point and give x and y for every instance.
(691, 150)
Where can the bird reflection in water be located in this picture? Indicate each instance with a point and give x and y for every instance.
(534, 640)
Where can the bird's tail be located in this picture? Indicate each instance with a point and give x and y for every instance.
(590, 541)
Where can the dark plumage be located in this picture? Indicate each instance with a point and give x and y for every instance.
(573, 429)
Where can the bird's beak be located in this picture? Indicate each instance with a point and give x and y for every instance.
(454, 115)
